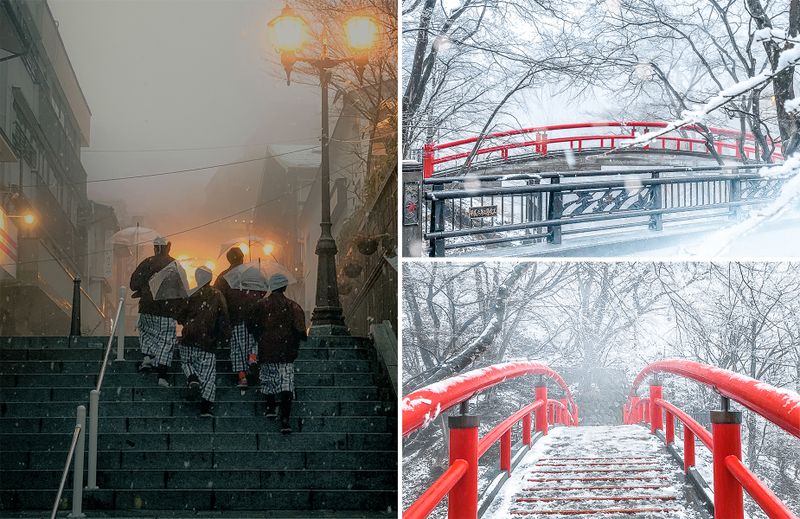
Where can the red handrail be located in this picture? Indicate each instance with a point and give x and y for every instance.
(424, 405)
(425, 503)
(779, 406)
(731, 477)
(541, 142)
(461, 484)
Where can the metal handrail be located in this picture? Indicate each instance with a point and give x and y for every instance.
(94, 395)
(76, 433)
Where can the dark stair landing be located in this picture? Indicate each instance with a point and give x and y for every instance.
(157, 458)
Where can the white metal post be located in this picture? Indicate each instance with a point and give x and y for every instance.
(121, 325)
(94, 402)
(77, 467)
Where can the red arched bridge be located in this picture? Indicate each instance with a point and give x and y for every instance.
(625, 470)
(540, 185)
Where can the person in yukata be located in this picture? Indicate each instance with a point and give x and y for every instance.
(278, 324)
(244, 359)
(206, 328)
(156, 317)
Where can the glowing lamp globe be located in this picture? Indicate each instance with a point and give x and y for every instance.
(268, 248)
(361, 33)
(29, 219)
(288, 31)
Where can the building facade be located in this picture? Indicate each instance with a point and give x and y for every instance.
(44, 122)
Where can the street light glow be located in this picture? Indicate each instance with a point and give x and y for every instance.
(211, 265)
(29, 219)
(361, 33)
(268, 248)
(288, 31)
(245, 248)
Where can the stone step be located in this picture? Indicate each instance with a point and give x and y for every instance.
(132, 342)
(238, 424)
(268, 439)
(167, 408)
(135, 379)
(329, 479)
(208, 499)
(130, 366)
(153, 392)
(221, 460)
(96, 354)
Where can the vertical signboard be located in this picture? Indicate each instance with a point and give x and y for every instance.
(8, 245)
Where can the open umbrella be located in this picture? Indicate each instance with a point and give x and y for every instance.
(133, 236)
(255, 275)
(170, 283)
(248, 241)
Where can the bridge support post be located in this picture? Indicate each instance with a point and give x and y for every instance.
(437, 224)
(541, 411)
(427, 160)
(634, 411)
(463, 498)
(669, 435)
(688, 450)
(656, 418)
(726, 430)
(656, 202)
(564, 412)
(734, 195)
(555, 209)
(526, 430)
(505, 452)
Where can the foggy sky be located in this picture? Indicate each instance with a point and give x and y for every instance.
(179, 74)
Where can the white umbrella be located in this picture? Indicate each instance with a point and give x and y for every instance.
(170, 282)
(255, 275)
(246, 240)
(133, 236)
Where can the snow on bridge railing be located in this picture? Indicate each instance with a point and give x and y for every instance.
(731, 477)
(724, 141)
(460, 480)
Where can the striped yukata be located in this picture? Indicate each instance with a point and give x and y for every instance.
(243, 348)
(195, 361)
(157, 337)
(276, 378)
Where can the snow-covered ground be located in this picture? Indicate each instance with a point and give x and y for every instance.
(596, 468)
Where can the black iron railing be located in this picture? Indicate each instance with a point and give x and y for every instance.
(478, 211)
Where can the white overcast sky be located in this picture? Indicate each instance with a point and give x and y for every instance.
(178, 74)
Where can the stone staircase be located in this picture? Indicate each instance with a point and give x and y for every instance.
(156, 455)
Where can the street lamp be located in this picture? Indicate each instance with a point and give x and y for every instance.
(289, 33)
(28, 218)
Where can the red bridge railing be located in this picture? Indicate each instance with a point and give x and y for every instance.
(460, 480)
(731, 477)
(725, 142)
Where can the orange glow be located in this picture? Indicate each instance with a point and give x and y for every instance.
(29, 219)
(288, 32)
(245, 248)
(268, 249)
(361, 33)
(211, 265)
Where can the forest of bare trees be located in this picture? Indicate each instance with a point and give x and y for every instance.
(468, 63)
(599, 324)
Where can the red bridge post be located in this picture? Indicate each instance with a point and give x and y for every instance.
(541, 411)
(526, 430)
(688, 449)
(427, 160)
(670, 429)
(463, 500)
(505, 452)
(656, 419)
(726, 430)
(564, 412)
(634, 412)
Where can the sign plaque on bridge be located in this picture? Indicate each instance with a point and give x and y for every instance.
(483, 211)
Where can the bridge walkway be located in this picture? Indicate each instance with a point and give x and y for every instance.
(598, 472)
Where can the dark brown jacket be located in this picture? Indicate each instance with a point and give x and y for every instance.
(204, 317)
(240, 302)
(141, 288)
(278, 325)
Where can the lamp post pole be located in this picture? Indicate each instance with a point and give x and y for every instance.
(327, 317)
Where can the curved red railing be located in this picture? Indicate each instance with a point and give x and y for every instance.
(725, 141)
(731, 477)
(460, 480)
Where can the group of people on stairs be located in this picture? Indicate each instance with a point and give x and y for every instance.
(263, 333)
